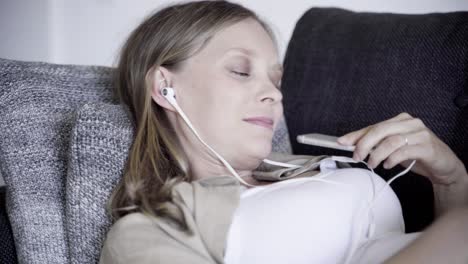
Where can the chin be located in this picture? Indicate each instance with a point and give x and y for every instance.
(251, 158)
(262, 152)
(250, 154)
(267, 151)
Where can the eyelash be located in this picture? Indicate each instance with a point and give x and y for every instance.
(242, 74)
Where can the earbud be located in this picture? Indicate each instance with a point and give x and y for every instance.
(168, 93)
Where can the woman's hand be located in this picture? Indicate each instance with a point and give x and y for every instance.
(434, 159)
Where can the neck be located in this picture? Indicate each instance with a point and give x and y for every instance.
(203, 163)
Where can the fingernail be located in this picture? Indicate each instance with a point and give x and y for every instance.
(385, 165)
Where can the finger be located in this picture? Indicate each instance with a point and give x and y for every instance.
(352, 137)
(391, 144)
(385, 148)
(382, 131)
(417, 169)
(411, 152)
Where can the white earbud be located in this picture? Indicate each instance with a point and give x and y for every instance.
(169, 94)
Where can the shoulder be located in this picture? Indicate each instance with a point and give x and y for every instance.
(138, 238)
(132, 218)
(126, 236)
(132, 221)
(132, 226)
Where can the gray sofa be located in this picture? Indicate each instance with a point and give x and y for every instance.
(64, 138)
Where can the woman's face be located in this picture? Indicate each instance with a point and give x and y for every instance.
(230, 92)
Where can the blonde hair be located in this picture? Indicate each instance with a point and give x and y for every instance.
(156, 161)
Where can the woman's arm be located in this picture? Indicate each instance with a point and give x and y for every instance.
(445, 241)
(403, 138)
(454, 195)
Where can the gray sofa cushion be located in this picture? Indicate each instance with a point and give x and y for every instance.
(37, 104)
(99, 145)
(281, 141)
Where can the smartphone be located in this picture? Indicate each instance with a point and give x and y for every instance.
(322, 140)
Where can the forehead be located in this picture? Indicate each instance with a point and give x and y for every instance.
(247, 36)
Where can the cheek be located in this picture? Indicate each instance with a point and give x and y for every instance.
(215, 106)
(217, 101)
(228, 95)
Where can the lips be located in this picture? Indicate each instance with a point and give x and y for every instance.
(261, 121)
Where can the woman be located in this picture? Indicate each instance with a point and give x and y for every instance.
(178, 201)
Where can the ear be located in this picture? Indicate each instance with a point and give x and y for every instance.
(160, 78)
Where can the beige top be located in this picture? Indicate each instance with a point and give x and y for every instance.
(208, 206)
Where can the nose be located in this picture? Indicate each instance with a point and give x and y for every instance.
(270, 92)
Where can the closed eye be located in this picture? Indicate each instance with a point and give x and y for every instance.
(243, 74)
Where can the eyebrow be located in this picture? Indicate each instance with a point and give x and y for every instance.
(250, 52)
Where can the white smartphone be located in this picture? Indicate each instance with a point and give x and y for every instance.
(322, 140)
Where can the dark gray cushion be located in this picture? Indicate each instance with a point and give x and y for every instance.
(37, 104)
(346, 70)
(7, 244)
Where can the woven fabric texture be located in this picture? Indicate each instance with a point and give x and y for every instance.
(281, 141)
(37, 104)
(353, 70)
(99, 145)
